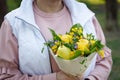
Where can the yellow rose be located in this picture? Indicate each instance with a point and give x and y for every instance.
(83, 44)
(71, 33)
(66, 38)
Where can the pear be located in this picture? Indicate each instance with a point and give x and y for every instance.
(64, 52)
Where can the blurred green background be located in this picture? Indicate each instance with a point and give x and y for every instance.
(112, 38)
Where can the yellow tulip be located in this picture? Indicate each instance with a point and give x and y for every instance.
(64, 52)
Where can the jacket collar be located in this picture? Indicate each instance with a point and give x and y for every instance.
(79, 12)
(25, 12)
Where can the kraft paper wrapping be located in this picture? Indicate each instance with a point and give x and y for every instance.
(75, 67)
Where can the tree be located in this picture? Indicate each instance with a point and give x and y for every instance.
(3, 10)
(111, 15)
(17, 2)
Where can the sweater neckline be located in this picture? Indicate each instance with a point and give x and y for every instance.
(48, 15)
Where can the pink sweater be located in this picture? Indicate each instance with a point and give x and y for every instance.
(9, 64)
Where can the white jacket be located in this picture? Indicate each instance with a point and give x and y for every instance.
(30, 39)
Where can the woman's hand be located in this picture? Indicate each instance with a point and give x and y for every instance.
(63, 76)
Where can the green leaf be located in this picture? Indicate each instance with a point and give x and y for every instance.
(90, 36)
(97, 46)
(75, 26)
(70, 46)
(76, 54)
(49, 43)
(82, 62)
(42, 50)
(55, 36)
(75, 39)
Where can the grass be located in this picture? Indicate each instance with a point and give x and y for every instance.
(114, 45)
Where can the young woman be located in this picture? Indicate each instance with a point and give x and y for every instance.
(25, 29)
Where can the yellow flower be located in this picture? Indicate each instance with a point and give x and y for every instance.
(81, 37)
(74, 29)
(71, 33)
(83, 44)
(57, 43)
(80, 30)
(66, 38)
(59, 35)
(92, 41)
(54, 48)
(101, 53)
(71, 54)
(64, 52)
(74, 43)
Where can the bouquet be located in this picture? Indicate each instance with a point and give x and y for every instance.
(74, 52)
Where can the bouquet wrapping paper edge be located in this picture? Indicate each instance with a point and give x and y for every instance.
(80, 66)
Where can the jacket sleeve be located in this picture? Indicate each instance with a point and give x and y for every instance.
(9, 64)
(103, 65)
